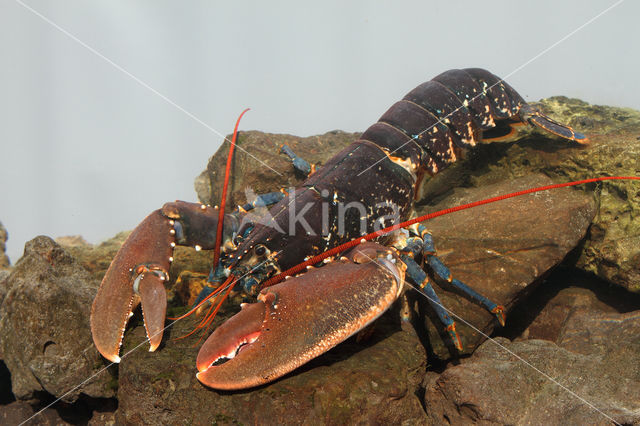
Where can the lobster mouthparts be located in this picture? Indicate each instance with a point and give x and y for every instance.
(296, 321)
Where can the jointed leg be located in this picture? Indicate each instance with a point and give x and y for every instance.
(300, 164)
(420, 243)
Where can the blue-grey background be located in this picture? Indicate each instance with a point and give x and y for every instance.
(86, 149)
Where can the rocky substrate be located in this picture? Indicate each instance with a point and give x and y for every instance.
(4, 259)
(570, 352)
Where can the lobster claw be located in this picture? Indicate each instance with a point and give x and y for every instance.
(136, 275)
(300, 318)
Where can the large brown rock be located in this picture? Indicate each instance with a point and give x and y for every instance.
(590, 349)
(4, 259)
(500, 249)
(21, 413)
(612, 248)
(497, 387)
(259, 165)
(44, 326)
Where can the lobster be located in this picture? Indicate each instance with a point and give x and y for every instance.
(369, 185)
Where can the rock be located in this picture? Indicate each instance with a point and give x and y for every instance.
(19, 412)
(44, 326)
(4, 274)
(273, 170)
(15, 413)
(371, 382)
(4, 259)
(97, 258)
(591, 350)
(544, 313)
(187, 288)
(72, 241)
(499, 249)
(612, 248)
(102, 419)
(495, 387)
(94, 258)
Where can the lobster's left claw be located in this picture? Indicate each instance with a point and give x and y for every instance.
(137, 274)
(301, 318)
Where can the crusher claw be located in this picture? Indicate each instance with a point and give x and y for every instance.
(299, 319)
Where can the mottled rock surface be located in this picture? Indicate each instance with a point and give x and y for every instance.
(94, 258)
(612, 248)
(500, 249)
(44, 326)
(497, 387)
(272, 172)
(19, 412)
(590, 347)
(594, 362)
(4, 259)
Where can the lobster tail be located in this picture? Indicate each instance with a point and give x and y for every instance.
(433, 121)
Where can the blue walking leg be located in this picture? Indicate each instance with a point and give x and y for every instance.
(263, 200)
(299, 163)
(419, 277)
(442, 272)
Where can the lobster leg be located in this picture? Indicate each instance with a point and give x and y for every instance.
(442, 272)
(140, 268)
(263, 200)
(300, 164)
(301, 318)
(421, 243)
(418, 276)
(536, 118)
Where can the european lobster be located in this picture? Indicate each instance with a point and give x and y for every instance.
(369, 185)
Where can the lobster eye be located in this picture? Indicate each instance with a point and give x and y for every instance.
(260, 250)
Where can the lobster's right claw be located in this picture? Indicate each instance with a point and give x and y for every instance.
(136, 275)
(300, 318)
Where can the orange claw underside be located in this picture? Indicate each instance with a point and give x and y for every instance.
(296, 321)
(137, 274)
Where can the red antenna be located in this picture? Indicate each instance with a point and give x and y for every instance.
(223, 200)
(230, 282)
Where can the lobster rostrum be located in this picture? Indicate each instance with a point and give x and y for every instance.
(369, 185)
